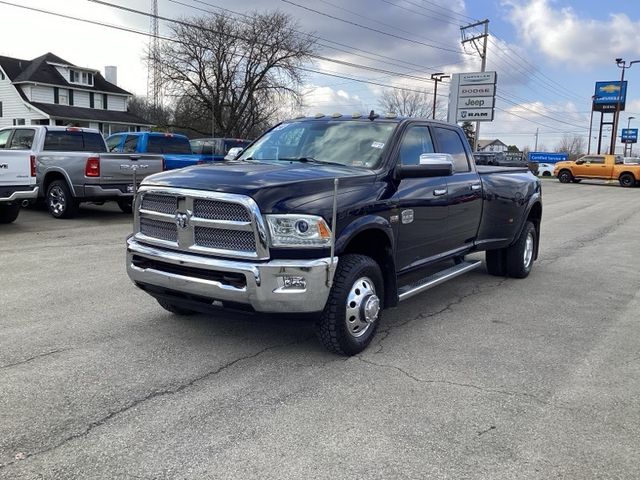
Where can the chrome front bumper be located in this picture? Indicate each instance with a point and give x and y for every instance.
(21, 195)
(264, 290)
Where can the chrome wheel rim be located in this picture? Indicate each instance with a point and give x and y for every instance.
(57, 200)
(363, 307)
(528, 250)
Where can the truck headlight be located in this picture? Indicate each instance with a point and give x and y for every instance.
(298, 231)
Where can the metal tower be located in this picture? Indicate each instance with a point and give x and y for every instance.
(154, 81)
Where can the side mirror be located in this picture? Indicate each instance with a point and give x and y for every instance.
(430, 165)
(579, 162)
(233, 153)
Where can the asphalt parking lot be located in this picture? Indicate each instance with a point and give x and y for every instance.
(482, 377)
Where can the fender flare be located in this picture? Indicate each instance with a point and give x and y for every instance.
(63, 173)
(536, 199)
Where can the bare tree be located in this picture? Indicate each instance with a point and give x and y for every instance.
(410, 103)
(233, 75)
(573, 145)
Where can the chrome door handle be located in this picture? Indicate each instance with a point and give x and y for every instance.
(476, 186)
(440, 191)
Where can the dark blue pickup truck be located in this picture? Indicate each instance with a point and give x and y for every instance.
(174, 148)
(338, 217)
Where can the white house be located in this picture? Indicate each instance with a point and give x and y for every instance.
(491, 146)
(51, 91)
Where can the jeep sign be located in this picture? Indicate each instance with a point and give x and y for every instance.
(472, 97)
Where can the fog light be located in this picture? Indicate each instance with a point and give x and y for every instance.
(294, 283)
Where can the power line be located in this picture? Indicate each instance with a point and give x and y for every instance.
(456, 23)
(371, 28)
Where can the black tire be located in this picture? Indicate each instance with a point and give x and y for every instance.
(546, 174)
(126, 205)
(360, 277)
(175, 309)
(519, 264)
(565, 176)
(627, 180)
(8, 213)
(576, 180)
(60, 202)
(496, 262)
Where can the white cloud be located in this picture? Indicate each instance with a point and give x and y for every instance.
(562, 35)
(328, 100)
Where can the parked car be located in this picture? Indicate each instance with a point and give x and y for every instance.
(605, 167)
(72, 166)
(545, 169)
(17, 172)
(174, 148)
(215, 149)
(505, 159)
(337, 217)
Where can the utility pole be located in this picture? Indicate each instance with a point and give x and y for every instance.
(535, 149)
(483, 56)
(436, 77)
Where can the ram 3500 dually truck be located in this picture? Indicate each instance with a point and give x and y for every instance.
(72, 166)
(340, 217)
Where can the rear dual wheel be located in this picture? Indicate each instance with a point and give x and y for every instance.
(516, 260)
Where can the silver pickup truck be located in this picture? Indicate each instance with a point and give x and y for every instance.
(17, 174)
(71, 166)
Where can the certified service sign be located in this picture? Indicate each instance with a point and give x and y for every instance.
(472, 97)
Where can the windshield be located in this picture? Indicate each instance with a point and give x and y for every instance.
(350, 143)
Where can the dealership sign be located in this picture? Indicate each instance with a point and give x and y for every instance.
(546, 157)
(607, 96)
(629, 135)
(472, 97)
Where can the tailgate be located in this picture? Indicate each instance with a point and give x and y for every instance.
(15, 168)
(117, 168)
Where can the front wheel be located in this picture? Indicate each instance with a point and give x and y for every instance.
(350, 318)
(627, 180)
(565, 176)
(8, 213)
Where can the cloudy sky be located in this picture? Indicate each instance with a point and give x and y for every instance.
(548, 53)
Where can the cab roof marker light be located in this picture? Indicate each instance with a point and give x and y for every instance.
(319, 115)
(391, 115)
(356, 115)
(336, 115)
(300, 116)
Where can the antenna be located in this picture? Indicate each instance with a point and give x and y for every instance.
(154, 82)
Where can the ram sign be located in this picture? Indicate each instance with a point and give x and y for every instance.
(472, 97)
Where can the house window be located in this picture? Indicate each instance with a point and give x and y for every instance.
(105, 103)
(0, 109)
(18, 121)
(56, 95)
(91, 100)
(83, 78)
(70, 97)
(63, 97)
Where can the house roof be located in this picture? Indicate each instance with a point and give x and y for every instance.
(486, 143)
(39, 70)
(91, 114)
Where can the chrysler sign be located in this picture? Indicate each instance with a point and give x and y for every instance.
(472, 97)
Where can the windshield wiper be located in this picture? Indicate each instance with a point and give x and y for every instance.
(309, 160)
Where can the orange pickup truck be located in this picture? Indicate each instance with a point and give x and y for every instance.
(604, 167)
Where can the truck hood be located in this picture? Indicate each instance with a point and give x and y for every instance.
(276, 187)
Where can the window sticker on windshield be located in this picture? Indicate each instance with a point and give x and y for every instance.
(357, 163)
(377, 145)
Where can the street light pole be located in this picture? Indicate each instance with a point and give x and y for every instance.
(614, 134)
(436, 77)
(593, 98)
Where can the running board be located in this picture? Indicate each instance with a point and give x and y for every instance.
(409, 291)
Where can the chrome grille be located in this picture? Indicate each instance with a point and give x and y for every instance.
(157, 229)
(223, 239)
(160, 203)
(209, 223)
(216, 210)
